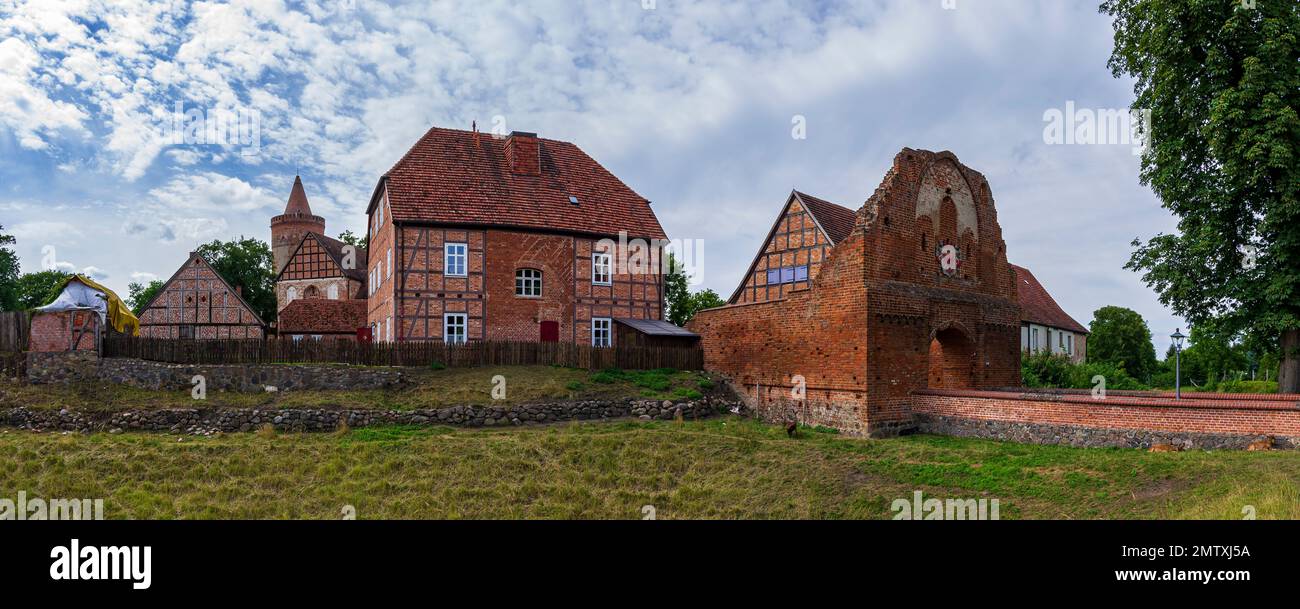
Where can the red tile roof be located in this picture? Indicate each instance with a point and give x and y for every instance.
(1037, 306)
(297, 199)
(461, 177)
(322, 316)
(836, 220)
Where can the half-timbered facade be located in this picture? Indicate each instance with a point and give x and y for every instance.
(324, 268)
(474, 237)
(196, 302)
(799, 241)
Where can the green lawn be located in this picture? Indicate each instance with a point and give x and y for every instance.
(721, 468)
(427, 389)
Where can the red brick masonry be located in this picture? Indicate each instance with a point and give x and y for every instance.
(1217, 414)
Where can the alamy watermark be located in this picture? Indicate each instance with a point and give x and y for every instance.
(649, 256)
(233, 128)
(1101, 126)
(35, 508)
(922, 508)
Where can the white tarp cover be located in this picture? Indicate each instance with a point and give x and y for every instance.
(77, 296)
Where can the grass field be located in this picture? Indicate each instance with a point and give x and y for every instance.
(721, 468)
(427, 389)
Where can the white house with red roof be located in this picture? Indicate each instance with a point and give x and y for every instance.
(1044, 326)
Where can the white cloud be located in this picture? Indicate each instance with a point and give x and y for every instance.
(689, 103)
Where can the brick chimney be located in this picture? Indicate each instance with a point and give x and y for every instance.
(523, 153)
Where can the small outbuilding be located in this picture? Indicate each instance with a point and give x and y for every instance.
(652, 333)
(80, 317)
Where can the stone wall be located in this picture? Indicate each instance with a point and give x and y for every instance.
(45, 368)
(1126, 421)
(207, 421)
(246, 378)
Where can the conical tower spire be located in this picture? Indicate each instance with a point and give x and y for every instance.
(298, 199)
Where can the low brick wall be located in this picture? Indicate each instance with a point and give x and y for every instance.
(77, 366)
(1135, 421)
(208, 421)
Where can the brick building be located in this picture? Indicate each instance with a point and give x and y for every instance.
(324, 268)
(322, 319)
(478, 237)
(915, 293)
(196, 302)
(289, 228)
(1044, 326)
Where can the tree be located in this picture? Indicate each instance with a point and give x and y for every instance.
(139, 295)
(247, 264)
(697, 302)
(1222, 83)
(350, 238)
(676, 291)
(9, 269)
(39, 289)
(1121, 337)
(681, 304)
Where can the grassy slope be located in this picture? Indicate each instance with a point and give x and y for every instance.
(722, 468)
(429, 389)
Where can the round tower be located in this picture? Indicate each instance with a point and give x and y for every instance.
(288, 229)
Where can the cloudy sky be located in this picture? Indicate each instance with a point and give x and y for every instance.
(691, 103)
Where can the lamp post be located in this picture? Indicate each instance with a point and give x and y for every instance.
(1178, 337)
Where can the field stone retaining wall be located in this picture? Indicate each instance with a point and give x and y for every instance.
(208, 421)
(69, 367)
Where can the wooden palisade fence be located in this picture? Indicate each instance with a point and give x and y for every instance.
(14, 328)
(412, 353)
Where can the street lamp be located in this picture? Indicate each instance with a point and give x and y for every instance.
(1178, 337)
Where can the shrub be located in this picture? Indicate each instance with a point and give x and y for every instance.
(705, 384)
(438, 366)
(574, 386)
(1248, 387)
(1057, 371)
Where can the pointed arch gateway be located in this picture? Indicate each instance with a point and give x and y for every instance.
(952, 358)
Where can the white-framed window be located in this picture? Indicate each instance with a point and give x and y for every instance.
(453, 327)
(390, 262)
(600, 332)
(315, 337)
(600, 268)
(453, 262)
(389, 333)
(528, 282)
(297, 338)
(292, 293)
(370, 285)
(333, 291)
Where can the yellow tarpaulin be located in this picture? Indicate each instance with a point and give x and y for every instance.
(119, 316)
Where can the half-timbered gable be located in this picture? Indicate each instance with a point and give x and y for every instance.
(322, 267)
(196, 302)
(799, 241)
(475, 237)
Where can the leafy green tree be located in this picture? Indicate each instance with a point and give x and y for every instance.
(39, 289)
(698, 301)
(682, 305)
(9, 270)
(1222, 83)
(139, 295)
(351, 238)
(1121, 337)
(246, 263)
(676, 290)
